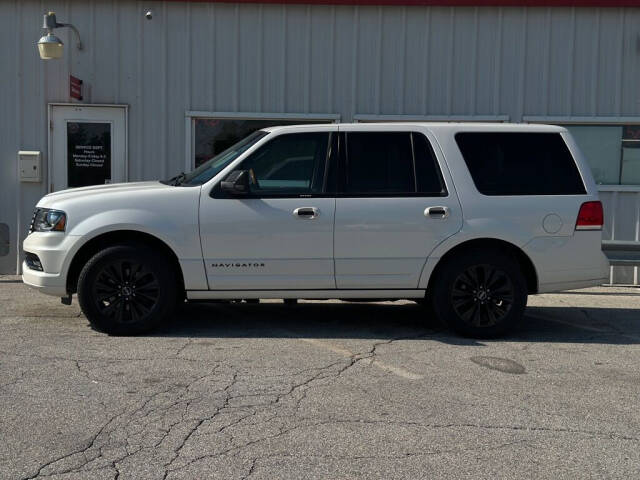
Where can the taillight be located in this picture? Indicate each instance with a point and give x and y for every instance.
(590, 216)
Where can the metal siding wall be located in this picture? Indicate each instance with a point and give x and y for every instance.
(249, 48)
(630, 93)
(177, 71)
(416, 61)
(487, 44)
(10, 89)
(322, 54)
(302, 59)
(129, 85)
(585, 63)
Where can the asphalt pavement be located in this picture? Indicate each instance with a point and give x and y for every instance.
(321, 390)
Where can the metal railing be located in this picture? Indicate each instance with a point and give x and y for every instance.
(622, 253)
(621, 232)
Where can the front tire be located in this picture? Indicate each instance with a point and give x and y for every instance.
(127, 290)
(480, 293)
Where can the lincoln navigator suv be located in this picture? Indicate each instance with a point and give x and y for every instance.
(466, 219)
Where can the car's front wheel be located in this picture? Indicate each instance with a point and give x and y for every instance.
(126, 290)
(480, 293)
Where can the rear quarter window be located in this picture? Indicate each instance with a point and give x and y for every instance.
(520, 163)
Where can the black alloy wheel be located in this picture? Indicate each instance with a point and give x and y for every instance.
(127, 289)
(479, 293)
(482, 295)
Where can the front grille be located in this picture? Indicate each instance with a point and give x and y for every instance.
(33, 219)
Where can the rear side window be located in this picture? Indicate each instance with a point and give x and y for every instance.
(391, 163)
(428, 176)
(520, 163)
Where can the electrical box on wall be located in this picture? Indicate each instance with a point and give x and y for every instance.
(30, 166)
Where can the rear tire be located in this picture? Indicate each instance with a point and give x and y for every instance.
(127, 290)
(480, 293)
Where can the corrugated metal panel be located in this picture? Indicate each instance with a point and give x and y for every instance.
(300, 59)
(9, 86)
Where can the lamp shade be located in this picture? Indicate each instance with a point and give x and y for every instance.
(50, 47)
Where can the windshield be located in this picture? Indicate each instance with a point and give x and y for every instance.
(215, 165)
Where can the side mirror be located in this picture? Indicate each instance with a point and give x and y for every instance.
(237, 183)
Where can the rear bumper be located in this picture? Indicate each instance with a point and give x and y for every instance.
(566, 263)
(578, 277)
(571, 285)
(47, 283)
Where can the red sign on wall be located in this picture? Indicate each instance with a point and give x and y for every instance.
(75, 87)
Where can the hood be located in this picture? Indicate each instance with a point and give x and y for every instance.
(142, 206)
(87, 193)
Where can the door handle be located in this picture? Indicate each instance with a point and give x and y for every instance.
(306, 212)
(436, 212)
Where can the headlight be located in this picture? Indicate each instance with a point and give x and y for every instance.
(47, 220)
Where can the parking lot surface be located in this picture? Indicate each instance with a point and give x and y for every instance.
(321, 390)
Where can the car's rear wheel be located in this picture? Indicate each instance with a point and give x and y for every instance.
(480, 293)
(126, 290)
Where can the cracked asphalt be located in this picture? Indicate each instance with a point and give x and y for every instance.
(321, 390)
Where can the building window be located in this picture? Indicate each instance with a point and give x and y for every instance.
(213, 134)
(611, 145)
(613, 151)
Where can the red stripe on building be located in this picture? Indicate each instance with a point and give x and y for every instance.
(444, 3)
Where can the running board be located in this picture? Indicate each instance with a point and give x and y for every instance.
(310, 294)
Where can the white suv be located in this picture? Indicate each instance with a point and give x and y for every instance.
(465, 218)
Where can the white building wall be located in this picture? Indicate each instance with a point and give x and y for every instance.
(421, 61)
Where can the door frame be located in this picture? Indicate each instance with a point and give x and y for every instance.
(50, 137)
(207, 195)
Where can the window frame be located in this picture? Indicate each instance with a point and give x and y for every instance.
(192, 115)
(343, 160)
(593, 121)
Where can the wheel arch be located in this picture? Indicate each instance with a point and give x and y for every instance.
(526, 264)
(119, 237)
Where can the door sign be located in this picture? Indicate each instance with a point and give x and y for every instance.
(88, 153)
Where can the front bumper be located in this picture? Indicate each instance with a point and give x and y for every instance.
(47, 283)
(55, 251)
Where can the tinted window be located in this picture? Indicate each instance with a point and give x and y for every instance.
(518, 163)
(383, 163)
(289, 164)
(379, 163)
(429, 178)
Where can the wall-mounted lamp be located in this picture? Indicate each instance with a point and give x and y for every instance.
(49, 45)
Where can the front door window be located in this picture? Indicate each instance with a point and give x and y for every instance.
(292, 164)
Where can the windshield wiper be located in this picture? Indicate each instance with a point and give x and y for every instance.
(177, 180)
